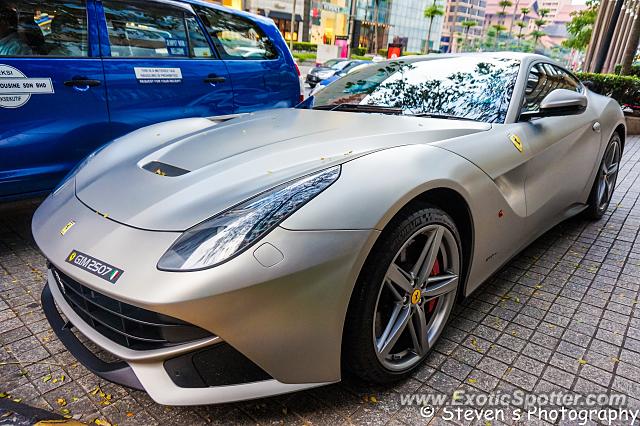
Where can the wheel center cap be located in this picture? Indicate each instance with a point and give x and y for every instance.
(415, 296)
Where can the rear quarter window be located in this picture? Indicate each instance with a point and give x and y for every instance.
(236, 37)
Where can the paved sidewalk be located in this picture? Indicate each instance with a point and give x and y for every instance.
(563, 315)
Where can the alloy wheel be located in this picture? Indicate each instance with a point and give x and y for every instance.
(416, 297)
(608, 174)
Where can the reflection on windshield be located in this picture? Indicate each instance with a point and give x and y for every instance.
(477, 88)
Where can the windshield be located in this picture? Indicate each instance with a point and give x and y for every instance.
(331, 62)
(340, 65)
(469, 87)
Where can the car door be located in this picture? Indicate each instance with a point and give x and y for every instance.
(261, 76)
(563, 148)
(159, 65)
(53, 109)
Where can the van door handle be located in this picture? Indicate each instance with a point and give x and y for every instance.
(81, 83)
(212, 79)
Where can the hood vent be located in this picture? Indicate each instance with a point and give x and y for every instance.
(164, 169)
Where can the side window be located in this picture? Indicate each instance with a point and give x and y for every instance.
(52, 28)
(236, 37)
(542, 80)
(153, 30)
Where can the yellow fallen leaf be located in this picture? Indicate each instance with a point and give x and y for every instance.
(101, 422)
(130, 414)
(61, 402)
(46, 378)
(582, 361)
(472, 381)
(373, 399)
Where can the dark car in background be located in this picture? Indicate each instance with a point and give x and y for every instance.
(326, 70)
(75, 74)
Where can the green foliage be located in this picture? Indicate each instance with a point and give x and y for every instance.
(581, 26)
(304, 56)
(360, 51)
(361, 57)
(635, 70)
(623, 88)
(504, 4)
(543, 12)
(382, 52)
(469, 24)
(539, 22)
(524, 10)
(432, 11)
(304, 46)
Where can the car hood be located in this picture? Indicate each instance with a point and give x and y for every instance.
(173, 175)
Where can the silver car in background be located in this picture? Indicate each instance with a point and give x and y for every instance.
(238, 257)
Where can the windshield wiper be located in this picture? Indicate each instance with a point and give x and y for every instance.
(444, 116)
(360, 108)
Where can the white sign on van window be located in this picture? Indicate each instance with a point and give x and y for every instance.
(16, 89)
(158, 75)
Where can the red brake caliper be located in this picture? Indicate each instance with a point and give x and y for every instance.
(431, 305)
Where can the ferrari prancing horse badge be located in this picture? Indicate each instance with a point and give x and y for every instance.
(515, 139)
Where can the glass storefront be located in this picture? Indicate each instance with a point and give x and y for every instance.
(328, 20)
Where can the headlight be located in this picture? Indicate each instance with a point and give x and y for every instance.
(223, 236)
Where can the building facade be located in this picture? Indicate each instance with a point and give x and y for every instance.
(409, 27)
(455, 35)
(559, 14)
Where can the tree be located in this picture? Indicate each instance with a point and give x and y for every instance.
(631, 48)
(521, 25)
(467, 26)
(498, 29)
(537, 33)
(581, 26)
(376, 8)
(431, 12)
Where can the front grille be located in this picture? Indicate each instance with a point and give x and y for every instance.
(125, 324)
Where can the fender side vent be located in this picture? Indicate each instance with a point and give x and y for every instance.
(164, 169)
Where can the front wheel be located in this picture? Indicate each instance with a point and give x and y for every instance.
(605, 183)
(404, 296)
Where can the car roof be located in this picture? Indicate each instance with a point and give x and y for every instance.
(496, 55)
(203, 3)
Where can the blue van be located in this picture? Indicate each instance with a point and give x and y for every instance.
(75, 74)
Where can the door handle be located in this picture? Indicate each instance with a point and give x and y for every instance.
(212, 79)
(82, 84)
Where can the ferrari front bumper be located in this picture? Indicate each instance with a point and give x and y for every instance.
(284, 315)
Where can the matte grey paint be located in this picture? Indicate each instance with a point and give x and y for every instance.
(295, 332)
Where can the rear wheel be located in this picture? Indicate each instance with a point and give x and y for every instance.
(404, 296)
(605, 182)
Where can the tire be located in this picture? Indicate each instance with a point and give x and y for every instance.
(605, 181)
(369, 351)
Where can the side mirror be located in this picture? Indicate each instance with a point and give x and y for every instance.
(557, 103)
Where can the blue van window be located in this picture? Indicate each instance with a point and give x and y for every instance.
(235, 37)
(36, 28)
(148, 30)
(199, 45)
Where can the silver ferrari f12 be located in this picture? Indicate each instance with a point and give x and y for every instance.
(243, 256)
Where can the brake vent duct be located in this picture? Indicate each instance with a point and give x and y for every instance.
(164, 169)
